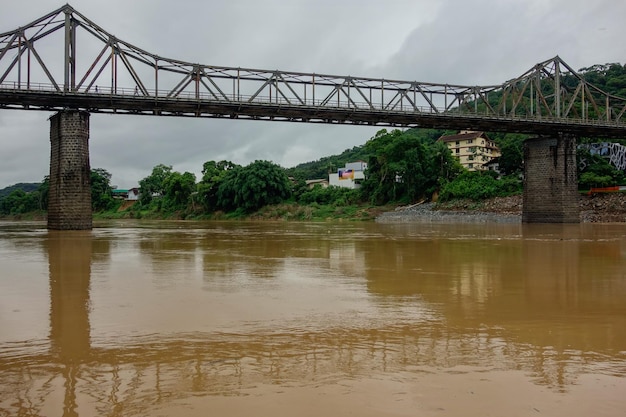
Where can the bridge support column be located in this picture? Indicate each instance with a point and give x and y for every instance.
(550, 182)
(69, 199)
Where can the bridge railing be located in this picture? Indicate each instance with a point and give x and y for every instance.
(164, 95)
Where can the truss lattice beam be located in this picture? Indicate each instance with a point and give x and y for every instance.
(113, 75)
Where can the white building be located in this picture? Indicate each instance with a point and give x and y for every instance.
(349, 176)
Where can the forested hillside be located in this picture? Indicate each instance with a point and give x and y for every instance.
(608, 77)
(24, 186)
(323, 166)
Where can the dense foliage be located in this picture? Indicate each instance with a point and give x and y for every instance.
(167, 190)
(251, 187)
(213, 173)
(101, 193)
(406, 166)
(333, 196)
(30, 199)
(24, 186)
(20, 202)
(610, 77)
(595, 171)
(154, 184)
(479, 186)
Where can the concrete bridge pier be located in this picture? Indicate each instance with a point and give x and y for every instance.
(550, 180)
(69, 199)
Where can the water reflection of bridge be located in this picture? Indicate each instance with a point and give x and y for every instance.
(131, 376)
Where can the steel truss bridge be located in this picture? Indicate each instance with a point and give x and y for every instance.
(64, 60)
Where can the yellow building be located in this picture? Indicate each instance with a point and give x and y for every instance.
(474, 150)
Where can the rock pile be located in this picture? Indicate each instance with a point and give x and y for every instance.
(597, 208)
(603, 208)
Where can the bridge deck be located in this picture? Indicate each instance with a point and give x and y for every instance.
(262, 109)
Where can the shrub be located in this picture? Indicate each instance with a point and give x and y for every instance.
(336, 196)
(479, 186)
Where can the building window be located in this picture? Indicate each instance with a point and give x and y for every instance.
(457, 143)
(470, 141)
(457, 150)
(470, 166)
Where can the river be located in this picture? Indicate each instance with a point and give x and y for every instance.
(139, 318)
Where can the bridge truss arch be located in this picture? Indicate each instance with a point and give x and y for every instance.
(99, 72)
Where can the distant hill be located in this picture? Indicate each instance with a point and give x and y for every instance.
(320, 168)
(26, 186)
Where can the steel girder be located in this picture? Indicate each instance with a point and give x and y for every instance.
(115, 76)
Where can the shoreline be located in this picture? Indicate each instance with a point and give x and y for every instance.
(428, 213)
(595, 208)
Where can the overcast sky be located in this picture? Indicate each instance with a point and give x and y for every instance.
(471, 42)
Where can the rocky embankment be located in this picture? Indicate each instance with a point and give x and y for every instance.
(597, 208)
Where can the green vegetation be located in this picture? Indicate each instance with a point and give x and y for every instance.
(20, 202)
(32, 199)
(330, 196)
(479, 186)
(23, 186)
(610, 77)
(249, 188)
(213, 174)
(101, 193)
(23, 198)
(406, 166)
(595, 171)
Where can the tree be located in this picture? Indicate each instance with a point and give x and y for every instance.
(335, 196)
(154, 184)
(44, 191)
(479, 185)
(380, 183)
(26, 186)
(512, 159)
(405, 166)
(178, 189)
(444, 166)
(595, 171)
(251, 187)
(19, 202)
(101, 194)
(213, 173)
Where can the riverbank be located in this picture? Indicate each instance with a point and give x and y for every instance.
(597, 208)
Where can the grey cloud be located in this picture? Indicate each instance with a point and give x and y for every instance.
(483, 42)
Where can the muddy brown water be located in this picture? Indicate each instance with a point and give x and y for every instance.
(327, 319)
